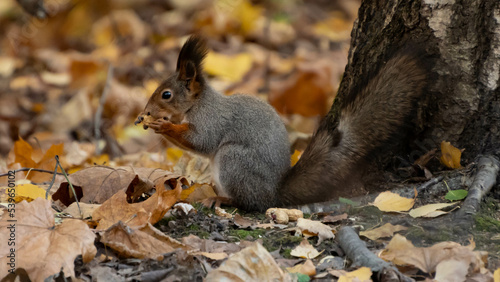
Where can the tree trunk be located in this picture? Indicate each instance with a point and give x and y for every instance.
(464, 36)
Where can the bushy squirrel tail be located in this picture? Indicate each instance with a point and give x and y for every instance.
(370, 117)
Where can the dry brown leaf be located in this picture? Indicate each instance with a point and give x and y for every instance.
(253, 263)
(450, 156)
(315, 228)
(402, 252)
(99, 183)
(302, 93)
(391, 202)
(212, 256)
(310, 89)
(386, 230)
(305, 250)
(334, 218)
(85, 209)
(243, 222)
(211, 246)
(306, 268)
(42, 248)
(140, 242)
(138, 214)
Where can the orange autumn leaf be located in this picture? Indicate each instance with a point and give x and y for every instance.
(450, 155)
(24, 154)
(151, 210)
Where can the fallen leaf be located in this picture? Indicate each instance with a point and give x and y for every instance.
(29, 192)
(305, 250)
(151, 210)
(26, 156)
(197, 192)
(57, 79)
(253, 263)
(386, 230)
(315, 228)
(211, 246)
(360, 274)
(306, 268)
(400, 251)
(85, 209)
(97, 184)
(450, 156)
(456, 195)
(43, 248)
(212, 256)
(232, 68)
(334, 218)
(139, 242)
(334, 28)
(431, 210)
(242, 222)
(391, 202)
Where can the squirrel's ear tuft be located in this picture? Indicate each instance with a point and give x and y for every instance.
(189, 64)
(194, 50)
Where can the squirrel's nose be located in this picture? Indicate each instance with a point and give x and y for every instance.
(139, 120)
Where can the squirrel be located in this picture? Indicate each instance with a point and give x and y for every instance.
(247, 142)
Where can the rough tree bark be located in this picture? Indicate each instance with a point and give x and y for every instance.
(464, 106)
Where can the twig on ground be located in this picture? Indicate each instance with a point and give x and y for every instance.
(31, 169)
(484, 180)
(98, 113)
(430, 183)
(359, 254)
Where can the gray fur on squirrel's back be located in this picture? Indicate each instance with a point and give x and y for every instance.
(247, 143)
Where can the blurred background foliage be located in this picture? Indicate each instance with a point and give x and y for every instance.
(81, 74)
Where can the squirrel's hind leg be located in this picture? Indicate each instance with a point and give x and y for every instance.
(251, 185)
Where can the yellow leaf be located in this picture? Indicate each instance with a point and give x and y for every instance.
(29, 192)
(100, 160)
(390, 202)
(334, 28)
(496, 275)
(174, 154)
(232, 68)
(248, 15)
(296, 156)
(361, 274)
(450, 156)
(431, 210)
(305, 250)
(306, 268)
(386, 230)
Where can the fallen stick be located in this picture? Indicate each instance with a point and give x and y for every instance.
(484, 180)
(359, 254)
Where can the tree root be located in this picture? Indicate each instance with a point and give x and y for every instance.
(359, 254)
(484, 180)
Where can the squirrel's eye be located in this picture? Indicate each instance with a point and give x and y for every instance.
(166, 95)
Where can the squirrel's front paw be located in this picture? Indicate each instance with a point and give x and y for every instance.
(160, 125)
